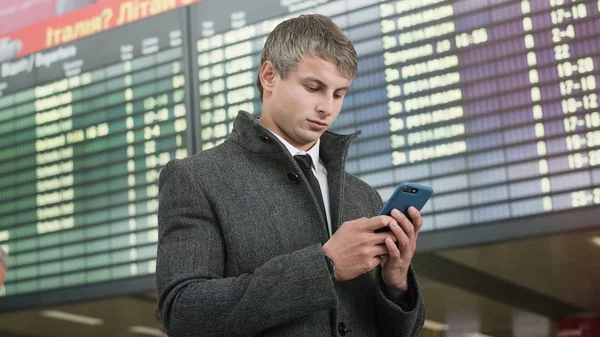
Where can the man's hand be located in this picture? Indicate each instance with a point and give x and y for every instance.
(395, 267)
(355, 249)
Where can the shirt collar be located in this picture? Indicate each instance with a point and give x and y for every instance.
(314, 151)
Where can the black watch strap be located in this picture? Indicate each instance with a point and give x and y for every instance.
(331, 267)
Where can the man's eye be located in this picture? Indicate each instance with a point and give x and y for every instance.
(311, 89)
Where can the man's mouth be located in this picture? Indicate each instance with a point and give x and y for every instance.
(317, 122)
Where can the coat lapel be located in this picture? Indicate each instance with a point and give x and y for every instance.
(247, 131)
(334, 151)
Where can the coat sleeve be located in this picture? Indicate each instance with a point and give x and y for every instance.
(399, 319)
(194, 297)
(393, 319)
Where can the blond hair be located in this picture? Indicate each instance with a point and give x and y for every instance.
(308, 35)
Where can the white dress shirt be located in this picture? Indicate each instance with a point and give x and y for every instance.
(318, 170)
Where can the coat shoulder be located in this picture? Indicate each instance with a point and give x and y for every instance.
(208, 160)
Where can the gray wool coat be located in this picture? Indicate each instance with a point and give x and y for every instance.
(239, 250)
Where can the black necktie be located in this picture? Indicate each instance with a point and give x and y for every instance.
(305, 163)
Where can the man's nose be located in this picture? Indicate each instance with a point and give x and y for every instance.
(326, 105)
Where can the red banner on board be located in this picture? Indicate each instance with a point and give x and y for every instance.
(100, 16)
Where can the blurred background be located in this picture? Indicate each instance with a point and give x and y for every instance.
(493, 103)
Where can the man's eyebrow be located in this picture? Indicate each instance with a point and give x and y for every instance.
(321, 83)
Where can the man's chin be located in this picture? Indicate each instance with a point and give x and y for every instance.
(305, 143)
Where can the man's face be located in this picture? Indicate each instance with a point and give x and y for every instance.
(301, 107)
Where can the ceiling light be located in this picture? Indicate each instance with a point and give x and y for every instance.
(435, 326)
(65, 316)
(476, 334)
(596, 240)
(144, 330)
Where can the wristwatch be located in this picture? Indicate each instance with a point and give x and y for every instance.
(330, 266)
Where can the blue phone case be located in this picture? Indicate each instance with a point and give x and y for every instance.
(406, 194)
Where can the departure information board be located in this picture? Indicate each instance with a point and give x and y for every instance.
(492, 103)
(84, 131)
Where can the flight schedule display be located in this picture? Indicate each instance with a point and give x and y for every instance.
(492, 103)
(84, 130)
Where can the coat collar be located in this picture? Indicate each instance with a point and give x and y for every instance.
(251, 135)
(314, 152)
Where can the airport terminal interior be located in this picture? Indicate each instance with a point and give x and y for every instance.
(492, 103)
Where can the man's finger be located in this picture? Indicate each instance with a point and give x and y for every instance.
(379, 238)
(381, 249)
(403, 240)
(405, 224)
(417, 219)
(377, 222)
(393, 251)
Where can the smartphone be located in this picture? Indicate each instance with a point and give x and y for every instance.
(406, 194)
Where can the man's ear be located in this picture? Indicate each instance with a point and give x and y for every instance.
(267, 75)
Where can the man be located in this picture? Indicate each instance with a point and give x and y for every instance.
(266, 234)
